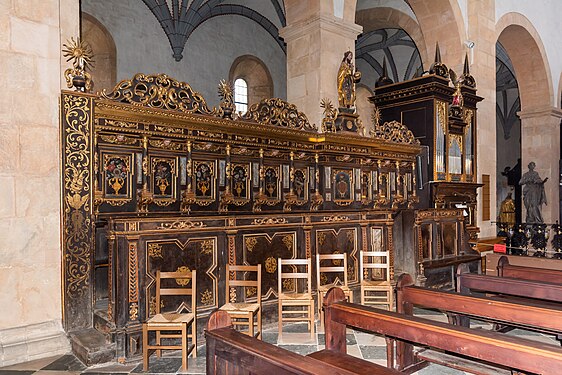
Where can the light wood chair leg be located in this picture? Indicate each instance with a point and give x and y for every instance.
(362, 296)
(144, 348)
(158, 351)
(194, 337)
(259, 324)
(184, 339)
(311, 317)
(280, 321)
(251, 324)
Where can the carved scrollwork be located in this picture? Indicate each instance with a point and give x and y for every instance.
(182, 224)
(395, 132)
(119, 139)
(335, 218)
(278, 112)
(159, 91)
(269, 221)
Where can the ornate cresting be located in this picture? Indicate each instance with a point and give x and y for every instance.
(159, 91)
(394, 132)
(77, 235)
(278, 112)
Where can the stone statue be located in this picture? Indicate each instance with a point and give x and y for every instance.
(347, 77)
(507, 211)
(533, 194)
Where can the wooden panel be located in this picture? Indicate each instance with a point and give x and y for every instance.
(486, 197)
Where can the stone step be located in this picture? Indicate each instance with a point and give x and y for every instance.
(92, 347)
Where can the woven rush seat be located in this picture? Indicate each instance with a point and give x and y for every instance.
(240, 306)
(170, 319)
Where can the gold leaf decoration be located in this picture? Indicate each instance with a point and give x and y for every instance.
(159, 91)
(288, 241)
(207, 297)
(183, 282)
(232, 295)
(394, 132)
(251, 291)
(277, 112)
(206, 247)
(251, 243)
(154, 250)
(271, 265)
(133, 311)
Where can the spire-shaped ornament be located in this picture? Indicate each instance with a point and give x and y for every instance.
(226, 93)
(438, 68)
(81, 55)
(384, 79)
(468, 80)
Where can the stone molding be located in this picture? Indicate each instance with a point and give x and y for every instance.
(31, 342)
(322, 22)
(540, 112)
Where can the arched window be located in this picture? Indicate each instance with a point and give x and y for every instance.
(241, 95)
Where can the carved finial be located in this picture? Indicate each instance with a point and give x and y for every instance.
(437, 54)
(468, 80)
(81, 55)
(330, 114)
(226, 94)
(438, 68)
(384, 79)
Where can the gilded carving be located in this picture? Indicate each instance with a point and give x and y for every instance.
(119, 139)
(288, 241)
(81, 54)
(154, 250)
(394, 132)
(182, 224)
(122, 124)
(335, 218)
(278, 112)
(232, 295)
(251, 242)
(288, 284)
(77, 209)
(269, 221)
(207, 298)
(207, 246)
(133, 273)
(251, 291)
(271, 265)
(166, 144)
(183, 269)
(321, 237)
(159, 91)
(133, 311)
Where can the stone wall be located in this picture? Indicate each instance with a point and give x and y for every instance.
(142, 46)
(30, 256)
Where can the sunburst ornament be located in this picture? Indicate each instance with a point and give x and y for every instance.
(81, 55)
(226, 93)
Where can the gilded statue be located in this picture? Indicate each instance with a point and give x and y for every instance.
(507, 211)
(347, 77)
(533, 194)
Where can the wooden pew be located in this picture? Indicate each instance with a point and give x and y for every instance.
(528, 273)
(523, 314)
(545, 292)
(504, 351)
(232, 352)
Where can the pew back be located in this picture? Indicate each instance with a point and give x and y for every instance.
(502, 350)
(528, 273)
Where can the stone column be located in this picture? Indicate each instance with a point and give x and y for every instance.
(317, 35)
(540, 142)
(481, 21)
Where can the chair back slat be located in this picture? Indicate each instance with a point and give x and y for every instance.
(232, 271)
(331, 268)
(177, 289)
(371, 260)
(294, 273)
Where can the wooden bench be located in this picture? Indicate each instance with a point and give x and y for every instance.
(523, 314)
(232, 352)
(540, 291)
(505, 352)
(528, 273)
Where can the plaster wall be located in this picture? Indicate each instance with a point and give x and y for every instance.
(545, 16)
(398, 5)
(142, 46)
(31, 68)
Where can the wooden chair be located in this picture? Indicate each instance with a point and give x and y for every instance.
(376, 289)
(292, 294)
(174, 321)
(338, 266)
(243, 313)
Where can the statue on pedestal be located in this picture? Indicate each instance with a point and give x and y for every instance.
(533, 194)
(347, 77)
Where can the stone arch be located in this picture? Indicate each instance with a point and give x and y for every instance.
(441, 21)
(104, 73)
(257, 76)
(385, 18)
(520, 39)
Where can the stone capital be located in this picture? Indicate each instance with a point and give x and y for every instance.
(546, 111)
(321, 22)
